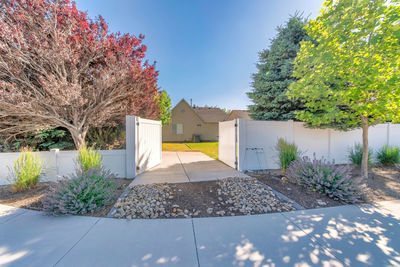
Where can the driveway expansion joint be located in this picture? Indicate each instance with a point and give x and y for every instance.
(195, 243)
(183, 167)
(77, 242)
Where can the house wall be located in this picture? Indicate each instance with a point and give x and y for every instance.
(192, 124)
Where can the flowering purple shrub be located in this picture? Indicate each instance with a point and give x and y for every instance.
(83, 192)
(323, 176)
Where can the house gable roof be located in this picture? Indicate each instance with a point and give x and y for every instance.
(207, 114)
(210, 114)
(238, 114)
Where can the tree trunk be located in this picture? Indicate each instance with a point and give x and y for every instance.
(364, 163)
(79, 137)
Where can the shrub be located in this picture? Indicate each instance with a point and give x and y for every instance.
(388, 155)
(355, 155)
(325, 177)
(89, 159)
(26, 170)
(107, 137)
(84, 192)
(287, 152)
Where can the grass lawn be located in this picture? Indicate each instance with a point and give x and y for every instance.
(210, 149)
(175, 147)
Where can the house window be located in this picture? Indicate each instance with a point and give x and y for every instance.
(178, 128)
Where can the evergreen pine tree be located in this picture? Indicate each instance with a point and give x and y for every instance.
(274, 75)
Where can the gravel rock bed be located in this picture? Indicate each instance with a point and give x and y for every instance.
(249, 196)
(144, 201)
(225, 197)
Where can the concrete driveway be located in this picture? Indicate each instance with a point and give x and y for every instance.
(180, 167)
(367, 235)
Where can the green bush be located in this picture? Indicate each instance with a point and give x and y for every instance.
(39, 140)
(26, 170)
(107, 137)
(89, 159)
(84, 192)
(388, 155)
(288, 152)
(355, 155)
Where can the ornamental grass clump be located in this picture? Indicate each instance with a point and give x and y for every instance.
(26, 170)
(323, 176)
(89, 159)
(355, 155)
(388, 155)
(287, 152)
(83, 192)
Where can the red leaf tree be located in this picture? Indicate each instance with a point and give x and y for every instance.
(59, 68)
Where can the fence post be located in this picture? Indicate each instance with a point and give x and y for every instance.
(52, 165)
(291, 131)
(241, 144)
(130, 150)
(329, 144)
(388, 133)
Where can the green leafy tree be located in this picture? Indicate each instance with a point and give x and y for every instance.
(350, 77)
(275, 69)
(164, 101)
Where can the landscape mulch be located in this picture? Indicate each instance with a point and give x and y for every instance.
(30, 199)
(383, 184)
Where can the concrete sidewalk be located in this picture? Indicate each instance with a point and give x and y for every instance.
(180, 167)
(339, 236)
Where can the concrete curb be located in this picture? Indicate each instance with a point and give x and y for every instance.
(285, 198)
(124, 194)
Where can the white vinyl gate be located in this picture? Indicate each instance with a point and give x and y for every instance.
(227, 146)
(143, 145)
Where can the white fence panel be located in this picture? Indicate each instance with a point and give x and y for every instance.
(57, 164)
(113, 160)
(227, 143)
(256, 141)
(7, 161)
(148, 144)
(143, 151)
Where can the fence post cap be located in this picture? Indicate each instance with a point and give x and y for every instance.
(55, 150)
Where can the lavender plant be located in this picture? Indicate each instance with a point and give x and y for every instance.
(86, 191)
(323, 176)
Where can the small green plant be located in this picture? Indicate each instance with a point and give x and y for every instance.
(288, 152)
(388, 155)
(89, 159)
(26, 170)
(355, 155)
(83, 192)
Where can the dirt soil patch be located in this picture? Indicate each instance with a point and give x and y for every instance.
(30, 199)
(382, 184)
(306, 197)
(226, 197)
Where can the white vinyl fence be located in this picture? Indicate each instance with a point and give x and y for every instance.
(143, 151)
(250, 145)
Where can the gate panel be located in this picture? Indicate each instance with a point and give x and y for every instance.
(148, 144)
(227, 143)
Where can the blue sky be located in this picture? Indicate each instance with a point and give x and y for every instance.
(205, 49)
